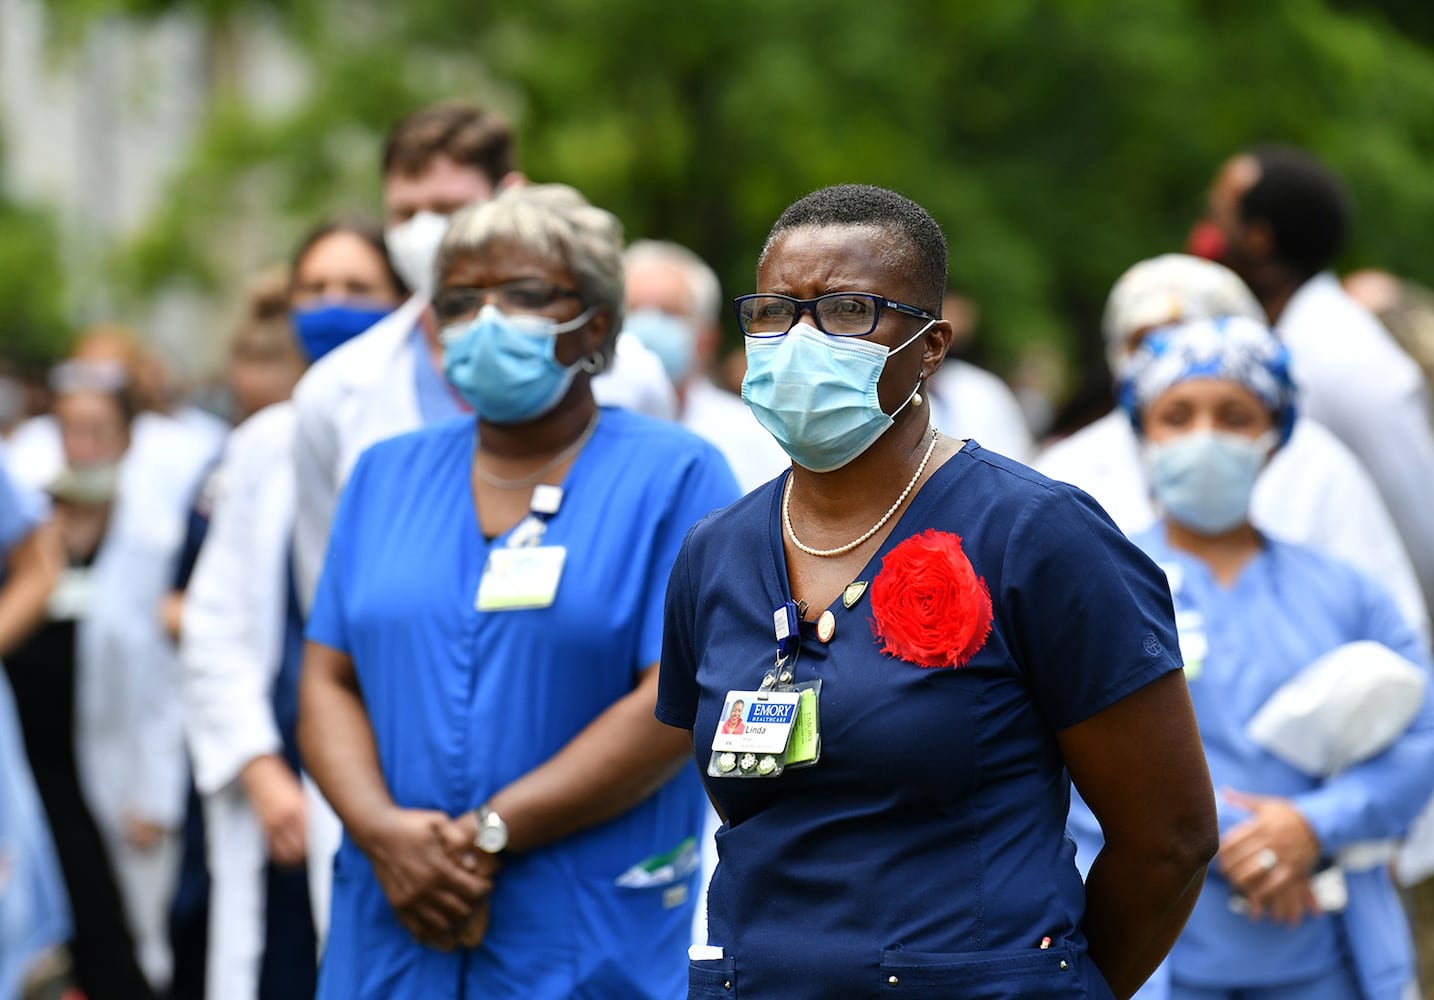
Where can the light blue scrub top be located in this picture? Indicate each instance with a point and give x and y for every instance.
(464, 702)
(34, 910)
(437, 400)
(1288, 606)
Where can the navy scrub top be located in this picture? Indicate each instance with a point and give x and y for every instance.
(464, 702)
(925, 854)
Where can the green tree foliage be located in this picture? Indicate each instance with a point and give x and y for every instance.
(33, 329)
(1056, 142)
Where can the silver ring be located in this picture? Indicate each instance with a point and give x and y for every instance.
(1266, 859)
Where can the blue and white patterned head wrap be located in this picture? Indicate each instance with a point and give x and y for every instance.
(1233, 348)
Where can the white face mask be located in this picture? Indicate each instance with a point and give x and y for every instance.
(413, 247)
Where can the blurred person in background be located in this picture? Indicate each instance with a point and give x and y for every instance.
(1404, 307)
(34, 909)
(1278, 217)
(479, 678)
(98, 687)
(1312, 491)
(168, 456)
(242, 634)
(390, 380)
(970, 402)
(1210, 400)
(674, 306)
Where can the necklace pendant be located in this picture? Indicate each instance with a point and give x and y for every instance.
(853, 593)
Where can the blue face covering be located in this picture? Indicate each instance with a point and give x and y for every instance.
(504, 366)
(1204, 480)
(816, 394)
(670, 337)
(323, 327)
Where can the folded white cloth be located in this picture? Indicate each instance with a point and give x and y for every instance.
(1345, 707)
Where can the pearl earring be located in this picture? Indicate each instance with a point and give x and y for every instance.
(916, 396)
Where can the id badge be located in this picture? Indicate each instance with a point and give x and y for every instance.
(519, 578)
(751, 738)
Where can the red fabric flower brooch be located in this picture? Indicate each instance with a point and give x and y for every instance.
(930, 607)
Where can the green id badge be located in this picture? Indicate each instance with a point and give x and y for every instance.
(804, 746)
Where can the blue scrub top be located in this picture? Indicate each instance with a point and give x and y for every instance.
(925, 853)
(34, 907)
(464, 702)
(1289, 606)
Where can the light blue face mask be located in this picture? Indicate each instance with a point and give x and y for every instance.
(504, 366)
(670, 337)
(1204, 480)
(816, 394)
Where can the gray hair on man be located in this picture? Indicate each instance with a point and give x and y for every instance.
(554, 222)
(701, 279)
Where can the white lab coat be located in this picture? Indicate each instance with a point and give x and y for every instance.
(1314, 491)
(723, 419)
(128, 713)
(231, 648)
(970, 402)
(1356, 380)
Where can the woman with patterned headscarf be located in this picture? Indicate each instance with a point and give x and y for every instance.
(1211, 401)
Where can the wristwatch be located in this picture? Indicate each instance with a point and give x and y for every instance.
(492, 835)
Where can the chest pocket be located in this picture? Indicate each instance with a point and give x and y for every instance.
(1017, 975)
(711, 978)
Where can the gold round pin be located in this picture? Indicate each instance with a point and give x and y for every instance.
(826, 626)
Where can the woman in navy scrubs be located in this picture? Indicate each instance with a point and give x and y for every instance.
(477, 690)
(983, 636)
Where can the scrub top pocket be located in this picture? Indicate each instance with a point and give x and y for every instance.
(711, 978)
(1048, 974)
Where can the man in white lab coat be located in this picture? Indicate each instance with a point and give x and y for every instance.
(674, 307)
(1278, 218)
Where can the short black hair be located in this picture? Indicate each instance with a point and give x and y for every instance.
(1305, 204)
(924, 250)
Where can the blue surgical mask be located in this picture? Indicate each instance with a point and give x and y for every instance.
(816, 394)
(323, 327)
(670, 337)
(1204, 480)
(505, 367)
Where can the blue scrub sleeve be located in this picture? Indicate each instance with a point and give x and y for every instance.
(1378, 798)
(20, 511)
(328, 618)
(705, 484)
(1093, 616)
(677, 690)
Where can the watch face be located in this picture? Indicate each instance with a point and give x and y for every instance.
(492, 839)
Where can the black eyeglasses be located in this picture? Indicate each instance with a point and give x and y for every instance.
(521, 295)
(841, 314)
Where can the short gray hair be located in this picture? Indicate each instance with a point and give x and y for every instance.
(556, 222)
(701, 279)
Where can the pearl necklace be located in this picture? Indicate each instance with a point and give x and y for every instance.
(498, 482)
(841, 549)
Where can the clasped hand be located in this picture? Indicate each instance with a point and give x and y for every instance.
(438, 883)
(1268, 858)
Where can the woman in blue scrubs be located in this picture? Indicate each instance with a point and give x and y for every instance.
(1211, 401)
(982, 637)
(479, 681)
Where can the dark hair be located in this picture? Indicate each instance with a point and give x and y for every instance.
(923, 246)
(366, 231)
(1305, 204)
(468, 135)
